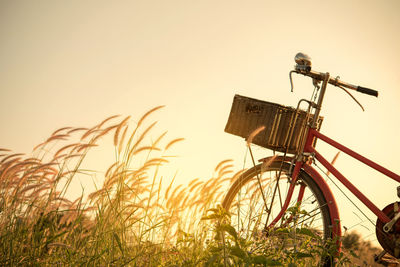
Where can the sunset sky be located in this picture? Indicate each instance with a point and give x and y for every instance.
(74, 63)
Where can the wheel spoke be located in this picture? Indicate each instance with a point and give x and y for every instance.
(258, 188)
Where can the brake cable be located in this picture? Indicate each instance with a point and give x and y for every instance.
(341, 87)
(316, 86)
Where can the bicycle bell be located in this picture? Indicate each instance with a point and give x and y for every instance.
(303, 62)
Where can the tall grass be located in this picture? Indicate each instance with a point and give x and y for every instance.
(135, 217)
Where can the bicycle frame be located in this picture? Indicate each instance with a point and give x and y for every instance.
(301, 163)
(312, 133)
(309, 150)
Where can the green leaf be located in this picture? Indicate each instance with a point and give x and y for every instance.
(238, 252)
(271, 262)
(306, 231)
(116, 237)
(301, 255)
(260, 259)
(282, 230)
(229, 229)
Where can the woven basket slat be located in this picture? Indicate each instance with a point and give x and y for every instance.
(248, 114)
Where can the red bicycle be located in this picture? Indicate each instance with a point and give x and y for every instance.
(285, 191)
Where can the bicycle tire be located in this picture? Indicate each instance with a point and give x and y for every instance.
(241, 197)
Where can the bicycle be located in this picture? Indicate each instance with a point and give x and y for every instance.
(286, 190)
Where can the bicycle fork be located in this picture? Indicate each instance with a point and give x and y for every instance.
(285, 205)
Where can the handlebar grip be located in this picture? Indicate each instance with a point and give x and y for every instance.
(367, 91)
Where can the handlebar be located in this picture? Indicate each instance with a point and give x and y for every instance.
(367, 91)
(319, 76)
(303, 66)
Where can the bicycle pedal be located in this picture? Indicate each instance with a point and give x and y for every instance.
(378, 258)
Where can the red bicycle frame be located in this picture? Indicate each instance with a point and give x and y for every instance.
(300, 164)
(312, 134)
(309, 150)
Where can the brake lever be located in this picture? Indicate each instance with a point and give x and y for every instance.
(316, 83)
(341, 87)
(291, 80)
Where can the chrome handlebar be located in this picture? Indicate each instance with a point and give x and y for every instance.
(303, 66)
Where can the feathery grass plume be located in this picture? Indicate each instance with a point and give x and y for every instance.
(193, 182)
(138, 126)
(77, 130)
(36, 192)
(135, 175)
(5, 150)
(225, 168)
(68, 172)
(26, 188)
(38, 146)
(224, 173)
(173, 142)
(110, 169)
(176, 200)
(98, 193)
(147, 114)
(33, 160)
(221, 164)
(169, 187)
(171, 197)
(155, 162)
(111, 181)
(106, 120)
(45, 167)
(186, 200)
(59, 158)
(121, 142)
(267, 163)
(4, 160)
(193, 186)
(57, 137)
(103, 132)
(254, 134)
(77, 155)
(89, 132)
(145, 148)
(16, 166)
(65, 148)
(121, 124)
(155, 143)
(81, 147)
(140, 139)
(60, 130)
(76, 203)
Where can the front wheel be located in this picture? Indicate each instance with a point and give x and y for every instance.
(303, 233)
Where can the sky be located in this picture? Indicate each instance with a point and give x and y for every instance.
(74, 63)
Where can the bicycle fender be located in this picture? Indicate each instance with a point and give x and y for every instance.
(330, 199)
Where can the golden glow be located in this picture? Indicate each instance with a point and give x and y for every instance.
(73, 63)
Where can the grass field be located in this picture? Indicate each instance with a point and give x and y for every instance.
(136, 217)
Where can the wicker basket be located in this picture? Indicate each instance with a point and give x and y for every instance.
(248, 114)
